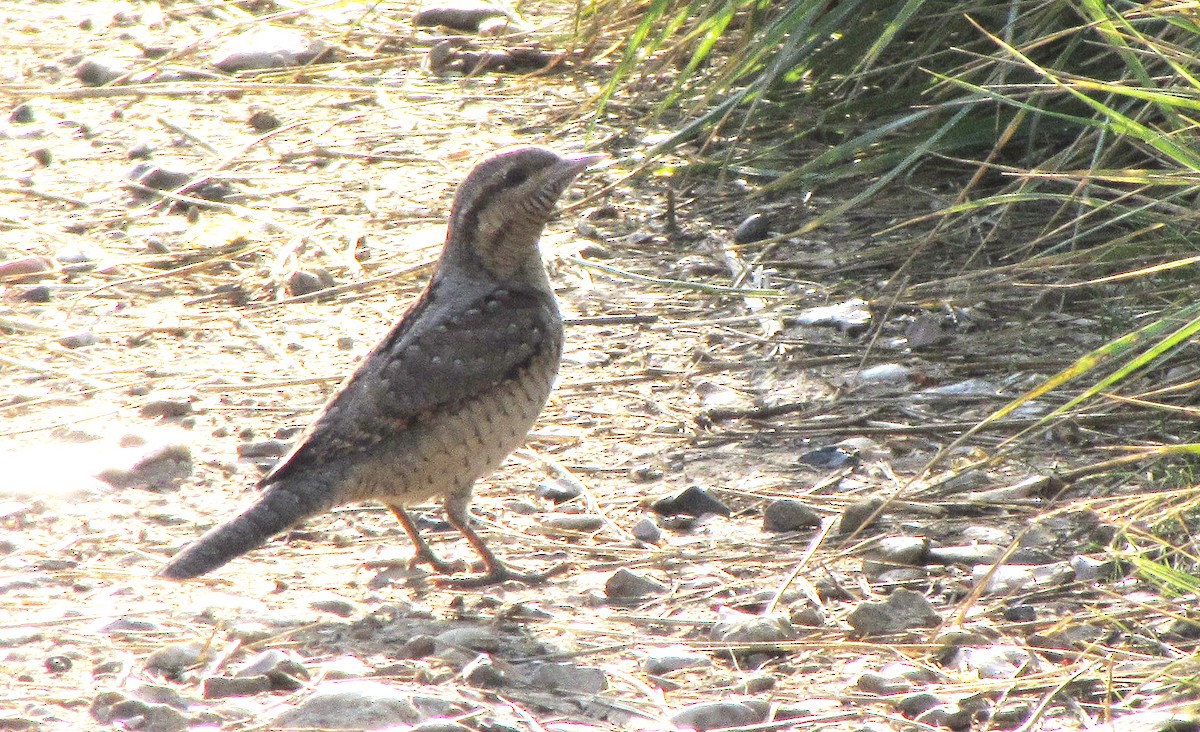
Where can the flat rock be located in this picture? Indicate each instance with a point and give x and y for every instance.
(903, 609)
(789, 514)
(353, 705)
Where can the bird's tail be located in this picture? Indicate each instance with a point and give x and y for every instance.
(282, 506)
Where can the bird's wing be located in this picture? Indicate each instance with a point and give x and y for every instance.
(440, 354)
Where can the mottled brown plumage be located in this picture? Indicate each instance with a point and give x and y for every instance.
(451, 390)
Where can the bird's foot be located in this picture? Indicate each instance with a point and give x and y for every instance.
(499, 573)
(426, 556)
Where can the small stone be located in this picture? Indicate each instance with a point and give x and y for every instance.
(625, 585)
(718, 714)
(914, 705)
(36, 293)
(581, 522)
(158, 468)
(482, 672)
(304, 283)
(25, 268)
(462, 16)
(855, 515)
(122, 711)
(927, 331)
(758, 684)
(95, 71)
(78, 340)
(558, 491)
(345, 343)
(903, 609)
(264, 120)
(350, 705)
(58, 664)
(645, 473)
(334, 605)
(964, 555)
(220, 687)
(898, 551)
(166, 407)
(42, 156)
(570, 678)
(647, 530)
(692, 501)
(264, 448)
(788, 514)
(1020, 614)
(173, 659)
(753, 228)
(520, 506)
(22, 114)
(894, 678)
(346, 667)
(733, 626)
(282, 669)
(661, 661)
(250, 631)
(159, 177)
(419, 646)
(268, 48)
(805, 614)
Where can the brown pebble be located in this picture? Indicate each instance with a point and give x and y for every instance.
(25, 268)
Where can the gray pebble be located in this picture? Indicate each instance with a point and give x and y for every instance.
(753, 228)
(717, 714)
(166, 406)
(22, 114)
(78, 340)
(264, 448)
(341, 607)
(581, 522)
(123, 711)
(647, 530)
(558, 491)
(282, 669)
(483, 672)
(351, 705)
(673, 658)
(302, 282)
(733, 626)
(964, 555)
(96, 71)
(267, 48)
(175, 658)
(789, 514)
(625, 584)
(856, 514)
(220, 687)
(569, 677)
(159, 468)
(903, 609)
(692, 501)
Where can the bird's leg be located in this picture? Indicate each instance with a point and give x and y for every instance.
(422, 552)
(495, 571)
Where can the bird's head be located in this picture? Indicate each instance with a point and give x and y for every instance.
(504, 203)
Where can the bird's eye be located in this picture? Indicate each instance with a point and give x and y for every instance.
(516, 176)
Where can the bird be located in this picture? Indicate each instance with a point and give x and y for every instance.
(447, 394)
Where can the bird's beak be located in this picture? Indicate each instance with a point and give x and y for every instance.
(577, 163)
